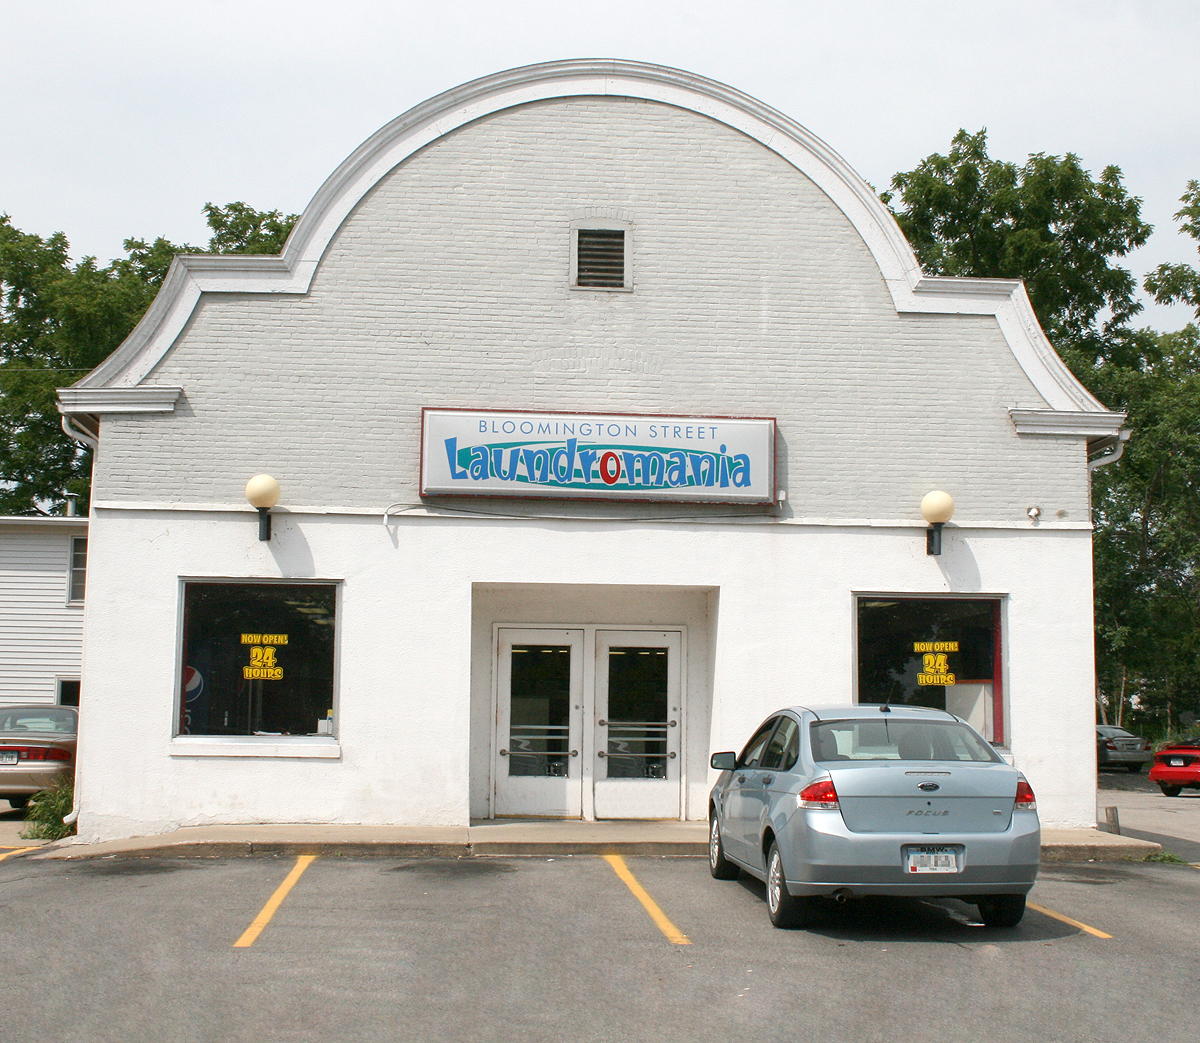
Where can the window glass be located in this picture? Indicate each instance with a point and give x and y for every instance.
(898, 740)
(784, 747)
(47, 720)
(935, 652)
(257, 658)
(68, 693)
(754, 748)
(78, 579)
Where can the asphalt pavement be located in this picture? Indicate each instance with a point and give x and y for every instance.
(536, 949)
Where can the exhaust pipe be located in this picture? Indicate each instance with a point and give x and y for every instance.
(841, 894)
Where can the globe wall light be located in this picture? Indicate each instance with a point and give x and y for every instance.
(263, 493)
(937, 508)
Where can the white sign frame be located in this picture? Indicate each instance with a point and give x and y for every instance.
(597, 456)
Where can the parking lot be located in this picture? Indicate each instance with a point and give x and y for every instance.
(564, 949)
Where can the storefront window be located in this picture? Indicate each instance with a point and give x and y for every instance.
(938, 652)
(257, 659)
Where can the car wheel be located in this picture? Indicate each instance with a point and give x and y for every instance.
(720, 867)
(1002, 910)
(784, 909)
(1170, 791)
(18, 803)
(1133, 769)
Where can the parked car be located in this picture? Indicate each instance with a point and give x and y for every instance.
(37, 747)
(1117, 748)
(849, 801)
(1177, 767)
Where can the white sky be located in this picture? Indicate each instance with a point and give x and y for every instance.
(122, 118)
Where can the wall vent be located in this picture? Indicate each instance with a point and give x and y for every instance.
(601, 257)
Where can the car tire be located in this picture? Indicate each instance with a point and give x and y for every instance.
(785, 910)
(18, 803)
(1170, 791)
(718, 865)
(1133, 769)
(1001, 910)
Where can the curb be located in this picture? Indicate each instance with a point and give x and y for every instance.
(1130, 851)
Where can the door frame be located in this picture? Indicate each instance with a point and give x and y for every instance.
(587, 748)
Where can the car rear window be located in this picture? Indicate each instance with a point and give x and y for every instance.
(898, 740)
(47, 720)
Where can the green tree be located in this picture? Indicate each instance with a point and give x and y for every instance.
(1147, 544)
(1048, 222)
(59, 320)
(1180, 283)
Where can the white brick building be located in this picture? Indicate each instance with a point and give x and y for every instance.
(579, 246)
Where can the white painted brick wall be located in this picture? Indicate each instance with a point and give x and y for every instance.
(448, 287)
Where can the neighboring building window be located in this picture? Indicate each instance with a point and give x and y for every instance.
(78, 568)
(600, 255)
(938, 652)
(257, 658)
(68, 692)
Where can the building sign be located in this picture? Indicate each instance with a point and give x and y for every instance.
(263, 665)
(935, 665)
(597, 456)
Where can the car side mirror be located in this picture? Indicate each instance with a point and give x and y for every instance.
(723, 761)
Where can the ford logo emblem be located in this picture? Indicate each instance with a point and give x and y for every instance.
(929, 787)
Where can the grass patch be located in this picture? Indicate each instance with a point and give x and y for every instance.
(1167, 856)
(45, 812)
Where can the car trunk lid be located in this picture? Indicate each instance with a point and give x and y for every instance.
(925, 798)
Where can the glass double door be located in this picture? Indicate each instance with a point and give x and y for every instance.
(588, 723)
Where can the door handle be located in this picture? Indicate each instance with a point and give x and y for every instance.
(768, 779)
(741, 778)
(574, 753)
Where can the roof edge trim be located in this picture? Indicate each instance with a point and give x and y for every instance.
(192, 275)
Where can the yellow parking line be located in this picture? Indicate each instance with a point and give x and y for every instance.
(1066, 919)
(17, 851)
(274, 902)
(673, 933)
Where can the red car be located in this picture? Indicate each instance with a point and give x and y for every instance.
(1176, 767)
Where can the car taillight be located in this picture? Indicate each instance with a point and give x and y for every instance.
(1110, 745)
(820, 794)
(37, 753)
(1026, 801)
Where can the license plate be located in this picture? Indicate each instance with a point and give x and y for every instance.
(930, 860)
(1176, 762)
(8, 756)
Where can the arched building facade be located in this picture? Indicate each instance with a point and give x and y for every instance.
(602, 399)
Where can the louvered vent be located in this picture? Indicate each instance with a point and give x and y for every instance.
(601, 260)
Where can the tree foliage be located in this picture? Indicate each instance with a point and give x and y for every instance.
(59, 320)
(1049, 222)
(1180, 283)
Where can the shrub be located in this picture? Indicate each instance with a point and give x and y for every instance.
(45, 811)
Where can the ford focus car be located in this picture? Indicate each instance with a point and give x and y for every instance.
(37, 748)
(850, 801)
(1176, 767)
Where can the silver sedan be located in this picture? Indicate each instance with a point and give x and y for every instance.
(861, 800)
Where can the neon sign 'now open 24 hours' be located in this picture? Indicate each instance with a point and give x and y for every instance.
(579, 455)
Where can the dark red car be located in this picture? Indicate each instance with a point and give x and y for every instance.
(1176, 767)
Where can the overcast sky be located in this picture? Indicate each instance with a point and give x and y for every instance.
(122, 119)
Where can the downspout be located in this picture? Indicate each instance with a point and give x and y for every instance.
(1103, 458)
(92, 440)
(73, 430)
